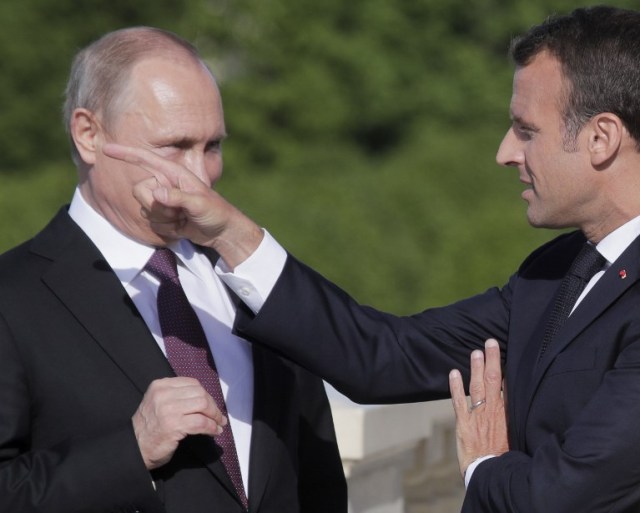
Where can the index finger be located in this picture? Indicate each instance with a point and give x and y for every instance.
(191, 388)
(166, 172)
(458, 396)
(215, 413)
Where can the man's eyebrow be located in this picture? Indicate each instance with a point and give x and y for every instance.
(515, 119)
(187, 142)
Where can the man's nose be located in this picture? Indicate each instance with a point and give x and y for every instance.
(194, 161)
(509, 153)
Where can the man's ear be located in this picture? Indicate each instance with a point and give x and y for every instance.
(86, 133)
(606, 132)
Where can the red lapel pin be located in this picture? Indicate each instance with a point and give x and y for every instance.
(622, 273)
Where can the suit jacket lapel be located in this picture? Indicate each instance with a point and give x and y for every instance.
(519, 390)
(205, 450)
(270, 392)
(536, 289)
(84, 282)
(86, 285)
(605, 292)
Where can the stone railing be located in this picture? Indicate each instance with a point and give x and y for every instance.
(398, 458)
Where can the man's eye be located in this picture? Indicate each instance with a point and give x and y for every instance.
(524, 132)
(214, 146)
(165, 151)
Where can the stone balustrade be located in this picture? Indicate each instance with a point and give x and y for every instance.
(398, 458)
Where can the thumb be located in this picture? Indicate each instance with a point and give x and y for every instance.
(195, 206)
(169, 197)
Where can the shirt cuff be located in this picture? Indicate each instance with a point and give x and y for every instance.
(471, 468)
(253, 280)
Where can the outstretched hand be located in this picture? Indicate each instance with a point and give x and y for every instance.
(481, 428)
(178, 205)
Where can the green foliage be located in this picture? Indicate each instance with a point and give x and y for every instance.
(38, 39)
(423, 229)
(356, 77)
(362, 133)
(28, 201)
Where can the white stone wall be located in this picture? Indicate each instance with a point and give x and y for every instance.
(398, 458)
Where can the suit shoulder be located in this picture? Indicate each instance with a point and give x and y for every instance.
(16, 258)
(553, 258)
(22, 260)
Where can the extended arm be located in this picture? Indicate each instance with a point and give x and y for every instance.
(368, 355)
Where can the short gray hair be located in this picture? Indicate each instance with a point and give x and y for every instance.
(100, 72)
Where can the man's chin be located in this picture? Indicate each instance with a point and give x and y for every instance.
(538, 221)
(535, 219)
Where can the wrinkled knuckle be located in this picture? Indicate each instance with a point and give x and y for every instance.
(475, 388)
(493, 376)
(154, 386)
(190, 381)
(201, 402)
(199, 423)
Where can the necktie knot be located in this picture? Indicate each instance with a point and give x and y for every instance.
(163, 265)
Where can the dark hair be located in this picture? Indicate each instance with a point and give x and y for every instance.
(599, 51)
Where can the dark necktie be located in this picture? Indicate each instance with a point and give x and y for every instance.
(584, 267)
(188, 351)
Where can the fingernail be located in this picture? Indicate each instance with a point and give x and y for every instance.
(477, 354)
(492, 342)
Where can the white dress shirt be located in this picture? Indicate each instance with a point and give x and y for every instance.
(209, 298)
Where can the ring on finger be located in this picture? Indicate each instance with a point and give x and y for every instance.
(477, 404)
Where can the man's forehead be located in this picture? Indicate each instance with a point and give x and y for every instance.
(168, 81)
(170, 65)
(539, 81)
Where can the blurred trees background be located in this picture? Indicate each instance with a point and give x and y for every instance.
(362, 133)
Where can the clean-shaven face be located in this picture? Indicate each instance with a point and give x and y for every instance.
(172, 107)
(559, 191)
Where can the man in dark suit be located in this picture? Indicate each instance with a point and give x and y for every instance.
(572, 384)
(93, 417)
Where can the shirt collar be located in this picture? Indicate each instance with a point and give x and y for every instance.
(614, 244)
(126, 256)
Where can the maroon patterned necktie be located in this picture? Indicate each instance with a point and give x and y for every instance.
(188, 351)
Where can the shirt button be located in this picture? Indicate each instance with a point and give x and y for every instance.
(245, 291)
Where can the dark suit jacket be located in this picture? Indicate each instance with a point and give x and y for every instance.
(75, 361)
(574, 416)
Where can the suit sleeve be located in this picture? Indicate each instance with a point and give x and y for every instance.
(100, 472)
(370, 356)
